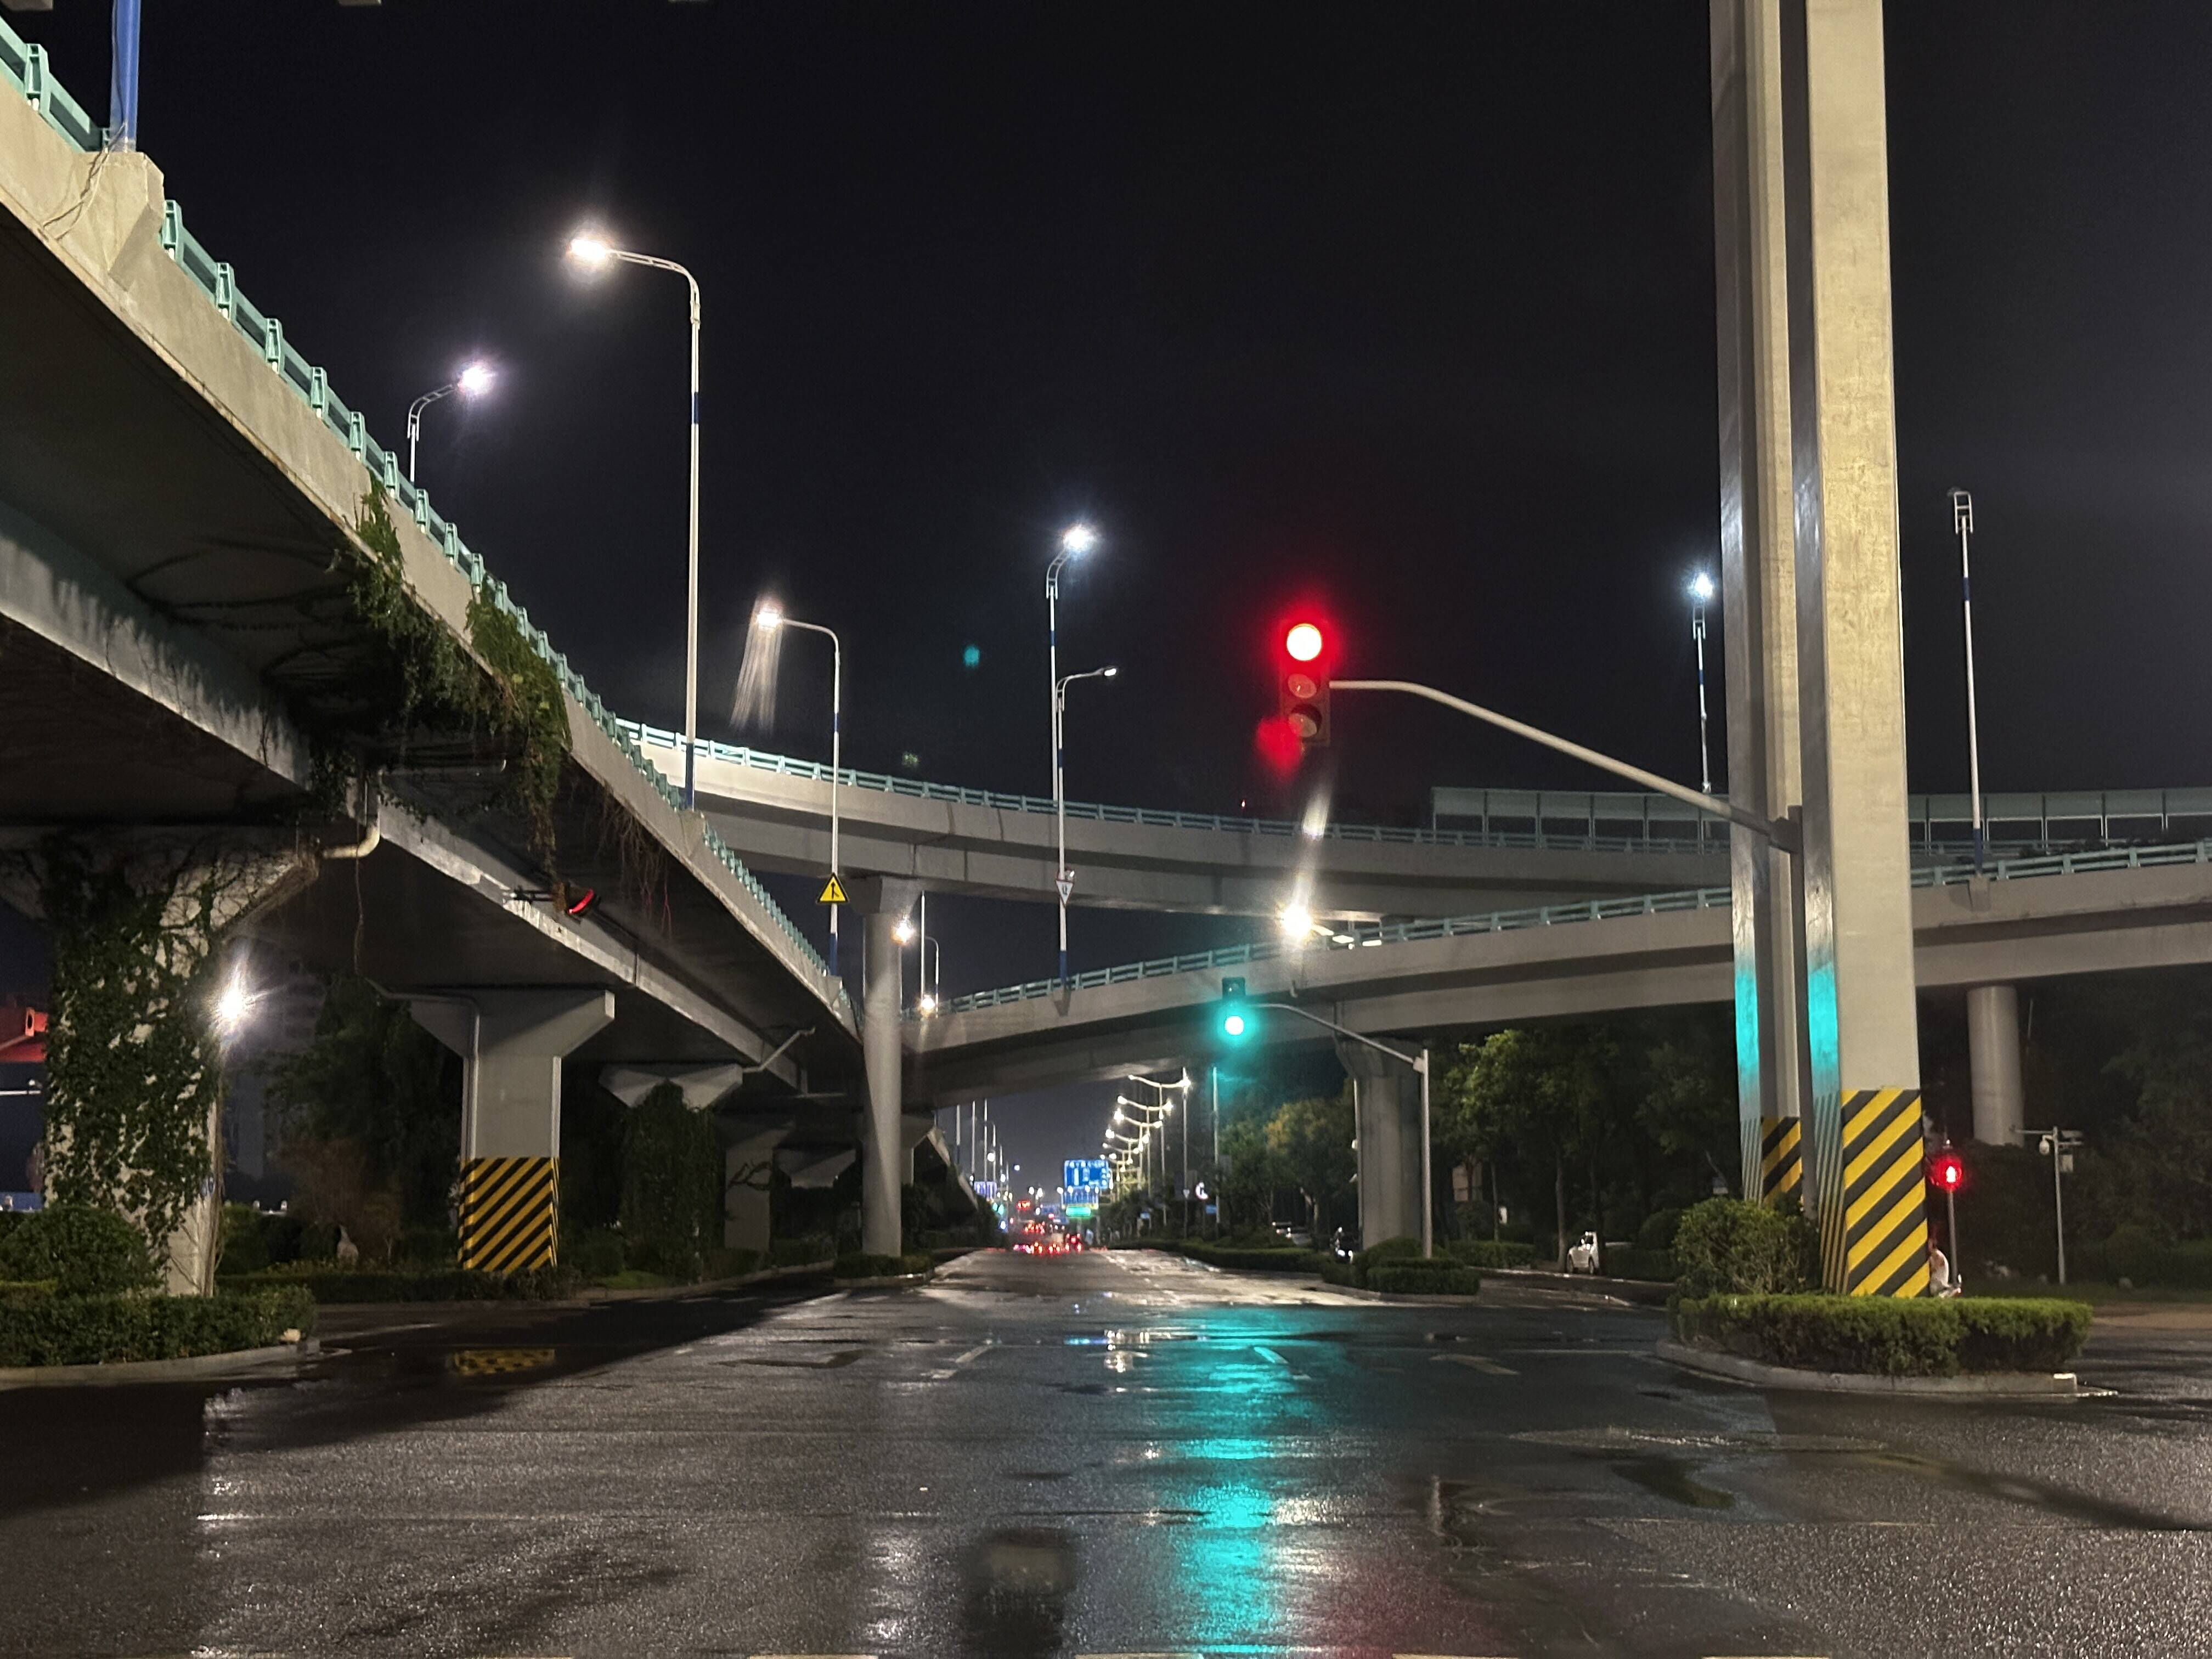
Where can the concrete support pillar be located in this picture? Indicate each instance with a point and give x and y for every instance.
(511, 1045)
(1759, 598)
(1861, 1020)
(1993, 1059)
(883, 1158)
(1387, 1111)
(748, 1160)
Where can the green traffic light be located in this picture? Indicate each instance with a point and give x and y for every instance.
(1233, 1024)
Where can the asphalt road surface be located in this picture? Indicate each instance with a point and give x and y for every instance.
(1112, 1454)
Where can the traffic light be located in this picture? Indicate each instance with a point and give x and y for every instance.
(1302, 683)
(1946, 1171)
(1236, 1017)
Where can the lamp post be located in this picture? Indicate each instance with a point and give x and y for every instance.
(595, 253)
(1074, 541)
(474, 380)
(768, 616)
(1701, 594)
(1962, 520)
(1166, 1105)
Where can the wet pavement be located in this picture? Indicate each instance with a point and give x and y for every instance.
(1110, 1454)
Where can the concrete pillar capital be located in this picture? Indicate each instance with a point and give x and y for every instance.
(701, 1086)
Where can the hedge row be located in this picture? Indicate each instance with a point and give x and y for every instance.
(1630, 1261)
(1491, 1253)
(858, 1264)
(97, 1330)
(1440, 1276)
(1883, 1336)
(328, 1284)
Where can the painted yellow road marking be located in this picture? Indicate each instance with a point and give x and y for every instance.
(1482, 1363)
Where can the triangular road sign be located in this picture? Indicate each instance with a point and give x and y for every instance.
(1066, 885)
(833, 891)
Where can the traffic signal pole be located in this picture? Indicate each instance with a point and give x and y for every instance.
(1781, 834)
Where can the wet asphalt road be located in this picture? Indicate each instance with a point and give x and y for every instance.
(1111, 1453)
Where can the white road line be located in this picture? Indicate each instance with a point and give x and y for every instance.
(975, 1352)
(1270, 1353)
(1478, 1362)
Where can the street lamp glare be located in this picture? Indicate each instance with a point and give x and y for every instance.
(475, 379)
(768, 615)
(904, 932)
(1701, 587)
(928, 1002)
(1078, 539)
(1296, 922)
(587, 248)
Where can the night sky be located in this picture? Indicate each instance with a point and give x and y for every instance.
(1407, 308)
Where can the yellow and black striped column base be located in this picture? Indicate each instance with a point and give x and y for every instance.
(510, 1213)
(1781, 1161)
(1884, 1188)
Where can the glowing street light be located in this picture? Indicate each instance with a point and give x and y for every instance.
(594, 252)
(1701, 595)
(234, 1006)
(767, 618)
(1075, 541)
(473, 381)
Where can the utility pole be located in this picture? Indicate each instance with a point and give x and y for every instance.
(1962, 520)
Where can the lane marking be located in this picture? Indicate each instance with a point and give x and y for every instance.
(1481, 1363)
(1298, 1374)
(976, 1353)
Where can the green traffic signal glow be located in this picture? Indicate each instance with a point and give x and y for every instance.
(1233, 1024)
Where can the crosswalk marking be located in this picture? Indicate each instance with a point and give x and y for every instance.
(1478, 1362)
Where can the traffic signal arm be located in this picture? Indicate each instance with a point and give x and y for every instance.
(1783, 834)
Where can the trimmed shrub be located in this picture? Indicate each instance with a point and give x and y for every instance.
(1657, 1232)
(597, 1253)
(244, 1250)
(1628, 1262)
(1726, 1247)
(425, 1247)
(1491, 1253)
(85, 1250)
(730, 1262)
(801, 1252)
(111, 1329)
(1263, 1258)
(859, 1264)
(1333, 1272)
(328, 1284)
(671, 1193)
(1882, 1336)
(1440, 1276)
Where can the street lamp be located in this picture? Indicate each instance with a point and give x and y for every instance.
(1075, 541)
(768, 616)
(1962, 520)
(594, 252)
(1701, 595)
(473, 381)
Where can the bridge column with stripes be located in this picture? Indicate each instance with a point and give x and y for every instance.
(511, 1044)
(1809, 542)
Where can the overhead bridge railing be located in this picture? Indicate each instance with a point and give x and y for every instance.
(25, 67)
(1362, 936)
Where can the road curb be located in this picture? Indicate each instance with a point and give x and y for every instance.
(281, 1359)
(1993, 1385)
(884, 1281)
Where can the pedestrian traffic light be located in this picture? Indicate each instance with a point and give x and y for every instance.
(1236, 1015)
(1302, 683)
(1946, 1171)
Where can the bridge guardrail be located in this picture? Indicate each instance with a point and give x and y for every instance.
(26, 68)
(1368, 935)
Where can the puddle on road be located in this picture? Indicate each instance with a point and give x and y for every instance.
(1016, 1583)
(828, 1362)
(1670, 1478)
(498, 1362)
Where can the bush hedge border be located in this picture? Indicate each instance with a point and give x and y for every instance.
(1884, 1336)
(117, 1329)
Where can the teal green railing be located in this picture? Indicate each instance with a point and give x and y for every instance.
(25, 67)
(1365, 935)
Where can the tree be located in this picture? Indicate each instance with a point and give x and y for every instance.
(1544, 1095)
(1310, 1141)
(373, 1078)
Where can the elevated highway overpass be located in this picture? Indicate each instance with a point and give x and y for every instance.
(221, 652)
(1487, 848)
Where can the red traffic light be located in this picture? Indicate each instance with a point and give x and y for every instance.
(1302, 683)
(1947, 1172)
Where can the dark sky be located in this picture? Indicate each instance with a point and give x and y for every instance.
(1410, 307)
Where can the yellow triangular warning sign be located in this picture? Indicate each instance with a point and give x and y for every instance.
(833, 891)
